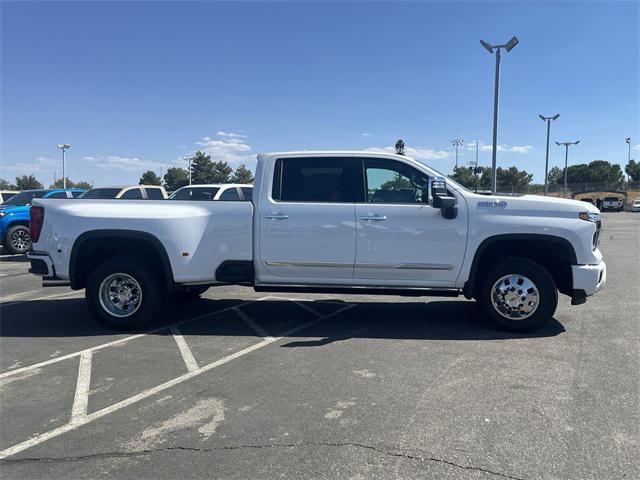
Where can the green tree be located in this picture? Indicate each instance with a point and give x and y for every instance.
(397, 183)
(4, 185)
(176, 178)
(201, 168)
(27, 182)
(399, 147)
(150, 178)
(598, 171)
(60, 184)
(242, 175)
(512, 180)
(556, 175)
(633, 170)
(221, 172)
(84, 185)
(466, 177)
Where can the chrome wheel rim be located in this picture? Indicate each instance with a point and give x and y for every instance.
(20, 240)
(515, 297)
(120, 295)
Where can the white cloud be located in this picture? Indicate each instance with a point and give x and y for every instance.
(366, 134)
(483, 147)
(419, 153)
(637, 147)
(227, 146)
(127, 164)
(40, 164)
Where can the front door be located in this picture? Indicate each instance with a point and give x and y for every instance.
(401, 239)
(307, 224)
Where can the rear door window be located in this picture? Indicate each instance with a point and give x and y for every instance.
(314, 179)
(248, 193)
(154, 193)
(230, 194)
(133, 194)
(58, 195)
(195, 193)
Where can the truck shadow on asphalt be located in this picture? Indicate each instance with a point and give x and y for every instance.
(434, 320)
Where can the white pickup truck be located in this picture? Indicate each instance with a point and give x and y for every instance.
(339, 222)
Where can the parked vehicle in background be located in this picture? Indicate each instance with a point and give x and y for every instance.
(615, 204)
(224, 192)
(6, 195)
(130, 192)
(14, 217)
(588, 200)
(332, 222)
(635, 207)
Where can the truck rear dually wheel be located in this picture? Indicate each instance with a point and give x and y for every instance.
(518, 294)
(123, 293)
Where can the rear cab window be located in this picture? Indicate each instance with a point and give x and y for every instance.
(133, 194)
(229, 194)
(195, 193)
(314, 180)
(154, 193)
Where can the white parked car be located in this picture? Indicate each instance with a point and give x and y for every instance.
(339, 222)
(635, 207)
(131, 192)
(225, 192)
(6, 195)
(615, 204)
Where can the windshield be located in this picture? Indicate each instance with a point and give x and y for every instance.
(101, 193)
(195, 193)
(24, 198)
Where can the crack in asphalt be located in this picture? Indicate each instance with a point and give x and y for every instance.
(137, 453)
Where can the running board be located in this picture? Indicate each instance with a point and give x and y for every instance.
(404, 292)
(55, 283)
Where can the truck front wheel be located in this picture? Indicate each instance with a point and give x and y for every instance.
(124, 294)
(17, 240)
(519, 295)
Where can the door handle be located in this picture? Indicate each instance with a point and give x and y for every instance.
(277, 216)
(374, 218)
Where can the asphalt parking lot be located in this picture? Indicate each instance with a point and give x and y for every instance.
(244, 385)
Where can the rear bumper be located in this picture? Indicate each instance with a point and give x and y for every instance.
(588, 279)
(42, 266)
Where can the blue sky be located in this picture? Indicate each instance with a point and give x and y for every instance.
(136, 85)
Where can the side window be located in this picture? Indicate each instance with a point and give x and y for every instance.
(229, 194)
(58, 195)
(314, 179)
(248, 193)
(76, 193)
(390, 181)
(133, 194)
(154, 193)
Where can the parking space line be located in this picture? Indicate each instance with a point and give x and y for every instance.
(20, 297)
(306, 307)
(81, 398)
(159, 388)
(185, 351)
(116, 342)
(259, 330)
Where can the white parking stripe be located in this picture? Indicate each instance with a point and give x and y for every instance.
(185, 351)
(259, 330)
(152, 391)
(307, 308)
(115, 342)
(24, 297)
(81, 398)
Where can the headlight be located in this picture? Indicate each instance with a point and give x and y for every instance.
(590, 217)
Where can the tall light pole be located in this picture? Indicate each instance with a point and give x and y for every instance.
(628, 140)
(566, 160)
(457, 142)
(64, 147)
(546, 161)
(490, 48)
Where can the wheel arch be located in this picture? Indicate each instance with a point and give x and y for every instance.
(109, 241)
(545, 247)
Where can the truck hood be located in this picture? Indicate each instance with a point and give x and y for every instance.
(532, 204)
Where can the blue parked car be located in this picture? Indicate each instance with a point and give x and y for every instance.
(14, 217)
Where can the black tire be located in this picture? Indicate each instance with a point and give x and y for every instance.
(543, 281)
(152, 293)
(187, 294)
(17, 240)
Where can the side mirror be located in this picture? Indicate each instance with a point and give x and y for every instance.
(441, 199)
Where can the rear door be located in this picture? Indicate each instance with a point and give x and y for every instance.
(402, 240)
(307, 221)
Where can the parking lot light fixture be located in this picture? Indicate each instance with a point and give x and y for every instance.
(457, 142)
(546, 162)
(566, 160)
(497, 48)
(64, 147)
